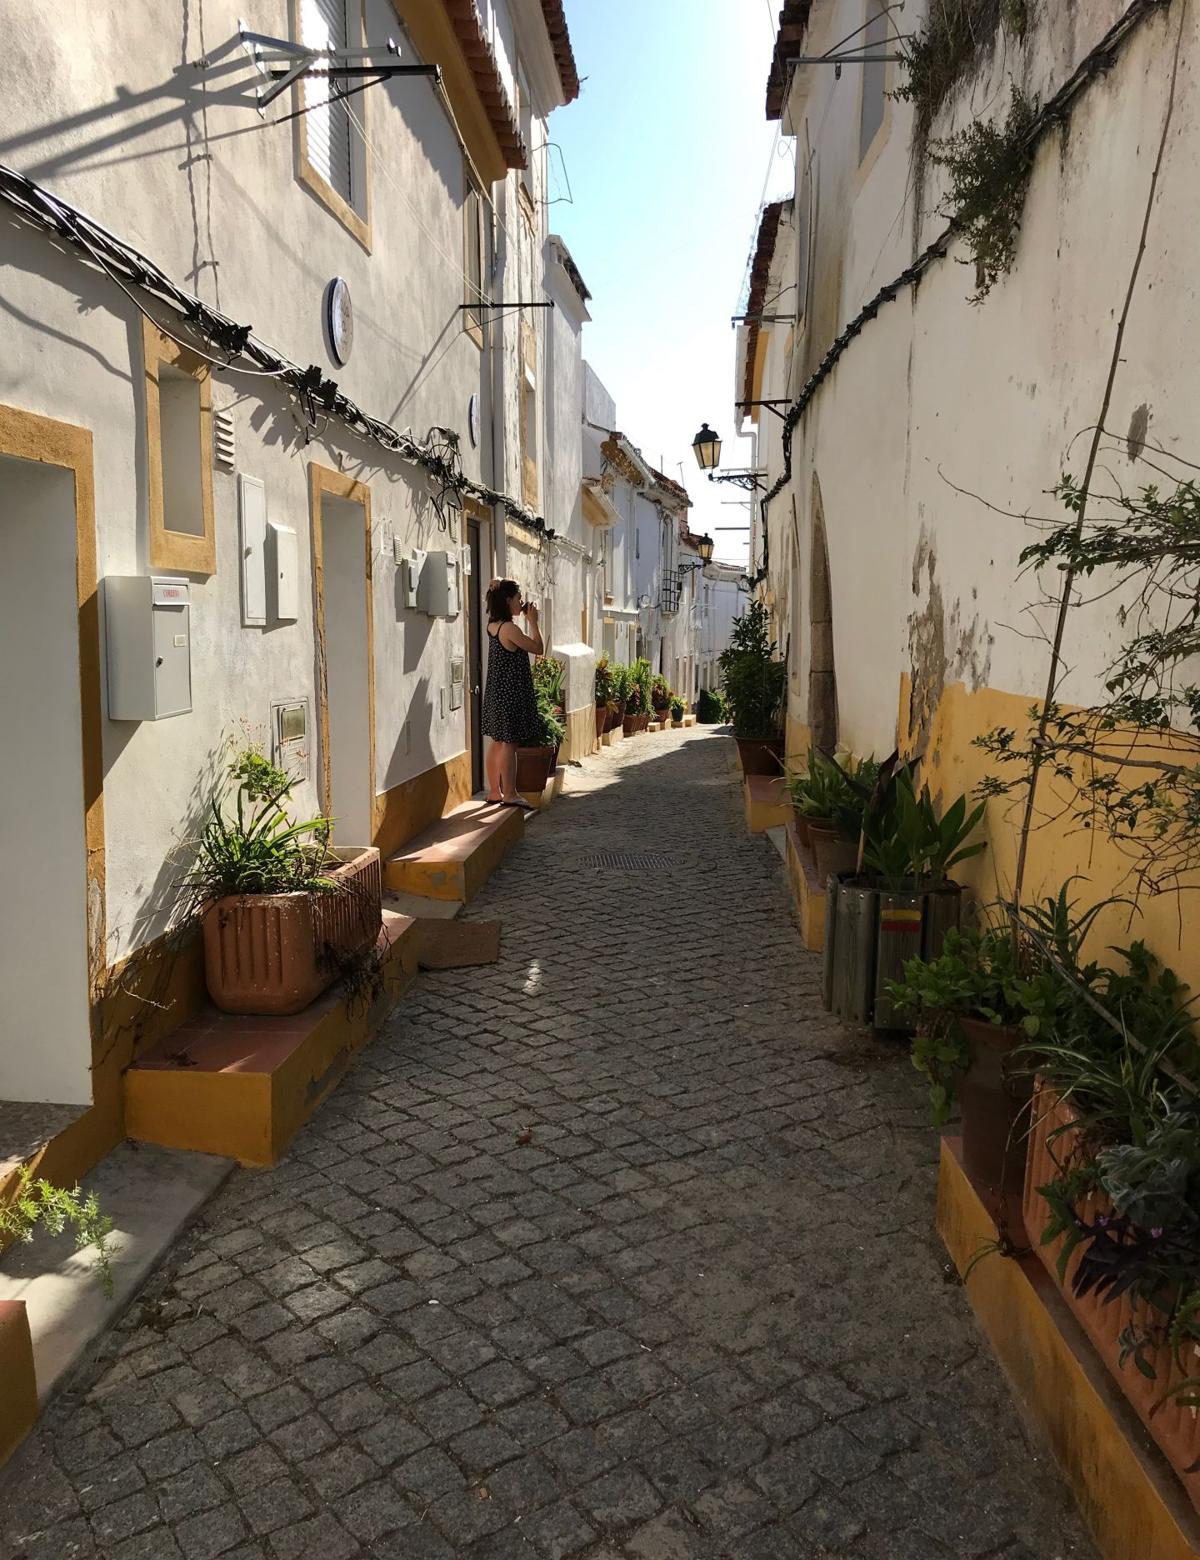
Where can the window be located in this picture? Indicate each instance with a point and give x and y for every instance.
(179, 456)
(529, 415)
(332, 156)
(477, 258)
(873, 76)
(803, 239)
(525, 117)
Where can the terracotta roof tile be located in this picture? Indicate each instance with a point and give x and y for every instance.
(564, 57)
(760, 272)
(793, 24)
(473, 41)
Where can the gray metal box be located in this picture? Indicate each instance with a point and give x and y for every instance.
(147, 622)
(438, 592)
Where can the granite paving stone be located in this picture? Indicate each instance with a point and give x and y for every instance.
(618, 1249)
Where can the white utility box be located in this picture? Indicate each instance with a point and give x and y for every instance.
(439, 592)
(284, 572)
(414, 568)
(147, 625)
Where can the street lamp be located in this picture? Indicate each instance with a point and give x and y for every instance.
(705, 545)
(707, 446)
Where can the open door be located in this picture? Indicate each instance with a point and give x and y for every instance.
(346, 669)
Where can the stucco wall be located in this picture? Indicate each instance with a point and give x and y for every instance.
(935, 440)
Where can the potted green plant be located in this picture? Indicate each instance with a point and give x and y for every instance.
(535, 764)
(678, 710)
(605, 695)
(282, 911)
(902, 901)
(660, 698)
(620, 695)
(549, 676)
(1112, 1190)
(754, 684)
(638, 705)
(710, 707)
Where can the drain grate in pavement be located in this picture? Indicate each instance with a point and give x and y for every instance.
(618, 863)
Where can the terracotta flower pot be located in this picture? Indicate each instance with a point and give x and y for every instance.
(1175, 1426)
(804, 826)
(834, 852)
(276, 953)
(760, 755)
(993, 1100)
(534, 767)
(601, 720)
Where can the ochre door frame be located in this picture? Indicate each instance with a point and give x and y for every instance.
(28, 436)
(322, 480)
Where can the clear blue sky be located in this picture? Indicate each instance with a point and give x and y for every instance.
(667, 150)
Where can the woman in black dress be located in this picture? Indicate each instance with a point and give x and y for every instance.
(510, 715)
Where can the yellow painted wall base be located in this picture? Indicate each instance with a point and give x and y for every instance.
(766, 802)
(1126, 1494)
(808, 896)
(254, 1082)
(611, 738)
(797, 741)
(18, 1383)
(580, 737)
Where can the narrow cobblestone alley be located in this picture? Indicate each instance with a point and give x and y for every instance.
(619, 1248)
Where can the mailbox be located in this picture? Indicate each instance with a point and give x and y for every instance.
(147, 623)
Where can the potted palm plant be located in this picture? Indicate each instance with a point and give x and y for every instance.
(283, 912)
(638, 704)
(660, 698)
(754, 683)
(548, 678)
(678, 710)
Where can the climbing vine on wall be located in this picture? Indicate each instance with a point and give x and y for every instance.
(989, 166)
(954, 38)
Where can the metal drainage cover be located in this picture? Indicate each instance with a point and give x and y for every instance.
(618, 863)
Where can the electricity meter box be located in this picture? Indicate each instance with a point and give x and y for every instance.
(147, 625)
(439, 590)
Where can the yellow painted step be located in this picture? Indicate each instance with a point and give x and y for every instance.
(454, 859)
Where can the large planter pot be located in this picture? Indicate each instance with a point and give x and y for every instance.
(760, 755)
(1175, 1426)
(833, 851)
(601, 720)
(534, 767)
(276, 953)
(805, 823)
(869, 933)
(993, 1099)
(635, 723)
(616, 716)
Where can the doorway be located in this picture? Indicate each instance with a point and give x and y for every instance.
(45, 1000)
(342, 552)
(822, 677)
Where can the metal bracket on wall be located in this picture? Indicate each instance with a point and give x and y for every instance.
(284, 63)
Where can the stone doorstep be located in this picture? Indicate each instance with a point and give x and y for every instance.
(808, 892)
(766, 802)
(151, 1194)
(1125, 1490)
(243, 1086)
(454, 858)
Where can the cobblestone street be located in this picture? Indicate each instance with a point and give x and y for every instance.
(620, 1248)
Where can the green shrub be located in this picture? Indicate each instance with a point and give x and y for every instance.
(754, 682)
(710, 707)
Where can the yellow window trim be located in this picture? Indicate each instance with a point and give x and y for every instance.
(357, 226)
(473, 328)
(177, 549)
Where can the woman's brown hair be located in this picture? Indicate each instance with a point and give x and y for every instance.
(499, 594)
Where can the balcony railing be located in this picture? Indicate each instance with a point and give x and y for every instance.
(668, 592)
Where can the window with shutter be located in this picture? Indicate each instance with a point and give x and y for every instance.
(324, 25)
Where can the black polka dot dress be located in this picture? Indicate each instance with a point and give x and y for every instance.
(509, 703)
